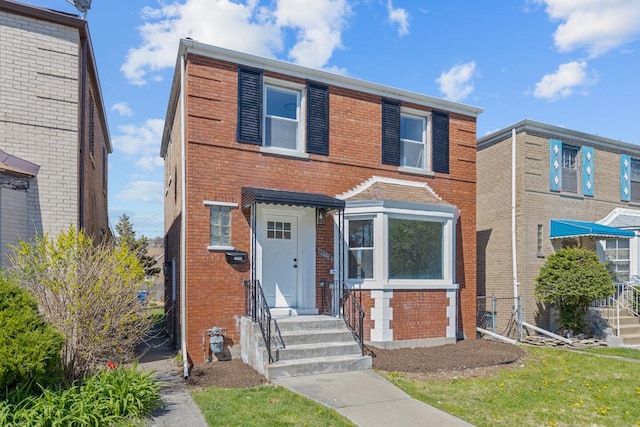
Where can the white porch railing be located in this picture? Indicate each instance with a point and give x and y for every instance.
(626, 299)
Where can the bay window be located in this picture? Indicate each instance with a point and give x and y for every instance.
(361, 249)
(396, 245)
(415, 249)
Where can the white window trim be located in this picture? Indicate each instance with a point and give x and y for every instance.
(300, 150)
(209, 203)
(427, 170)
(380, 215)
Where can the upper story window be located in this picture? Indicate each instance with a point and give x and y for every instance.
(284, 117)
(635, 180)
(281, 120)
(413, 140)
(570, 168)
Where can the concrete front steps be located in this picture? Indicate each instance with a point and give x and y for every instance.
(629, 327)
(630, 330)
(313, 345)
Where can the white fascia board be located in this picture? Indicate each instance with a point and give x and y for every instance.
(192, 46)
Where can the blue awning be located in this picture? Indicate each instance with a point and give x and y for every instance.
(561, 228)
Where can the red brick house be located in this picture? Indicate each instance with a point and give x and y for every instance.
(298, 182)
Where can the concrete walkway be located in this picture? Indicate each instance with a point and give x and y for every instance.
(178, 408)
(367, 399)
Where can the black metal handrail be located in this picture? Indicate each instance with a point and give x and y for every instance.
(258, 310)
(341, 301)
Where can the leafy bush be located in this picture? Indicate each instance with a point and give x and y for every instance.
(571, 279)
(89, 292)
(29, 347)
(103, 400)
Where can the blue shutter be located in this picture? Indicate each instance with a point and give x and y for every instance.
(587, 171)
(625, 177)
(555, 165)
(440, 139)
(249, 106)
(317, 119)
(390, 133)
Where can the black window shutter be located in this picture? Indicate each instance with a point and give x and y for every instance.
(390, 133)
(317, 119)
(440, 142)
(249, 106)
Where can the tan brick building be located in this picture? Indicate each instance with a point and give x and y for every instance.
(51, 116)
(562, 176)
(318, 178)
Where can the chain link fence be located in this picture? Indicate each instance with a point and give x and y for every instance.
(500, 315)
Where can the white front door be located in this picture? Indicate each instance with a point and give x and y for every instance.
(280, 260)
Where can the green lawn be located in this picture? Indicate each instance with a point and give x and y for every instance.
(266, 405)
(551, 387)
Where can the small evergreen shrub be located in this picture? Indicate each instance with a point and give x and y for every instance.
(571, 279)
(29, 347)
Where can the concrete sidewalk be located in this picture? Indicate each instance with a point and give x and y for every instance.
(177, 408)
(367, 399)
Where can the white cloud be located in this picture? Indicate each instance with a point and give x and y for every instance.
(122, 108)
(143, 191)
(456, 83)
(564, 82)
(240, 25)
(400, 17)
(149, 163)
(596, 25)
(319, 25)
(142, 140)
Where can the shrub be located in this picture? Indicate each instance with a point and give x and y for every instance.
(571, 279)
(102, 400)
(29, 347)
(89, 292)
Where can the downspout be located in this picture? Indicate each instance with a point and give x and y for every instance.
(183, 226)
(513, 220)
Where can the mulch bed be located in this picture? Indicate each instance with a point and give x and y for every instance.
(464, 359)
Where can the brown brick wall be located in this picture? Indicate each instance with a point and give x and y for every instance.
(419, 314)
(218, 167)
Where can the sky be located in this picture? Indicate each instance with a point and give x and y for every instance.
(570, 63)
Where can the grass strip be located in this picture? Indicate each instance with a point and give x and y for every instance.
(267, 405)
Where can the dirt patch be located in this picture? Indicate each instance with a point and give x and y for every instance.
(465, 359)
(226, 374)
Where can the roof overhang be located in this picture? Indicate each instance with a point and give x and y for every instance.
(251, 195)
(563, 228)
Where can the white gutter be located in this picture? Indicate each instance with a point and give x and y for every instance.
(513, 220)
(183, 227)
